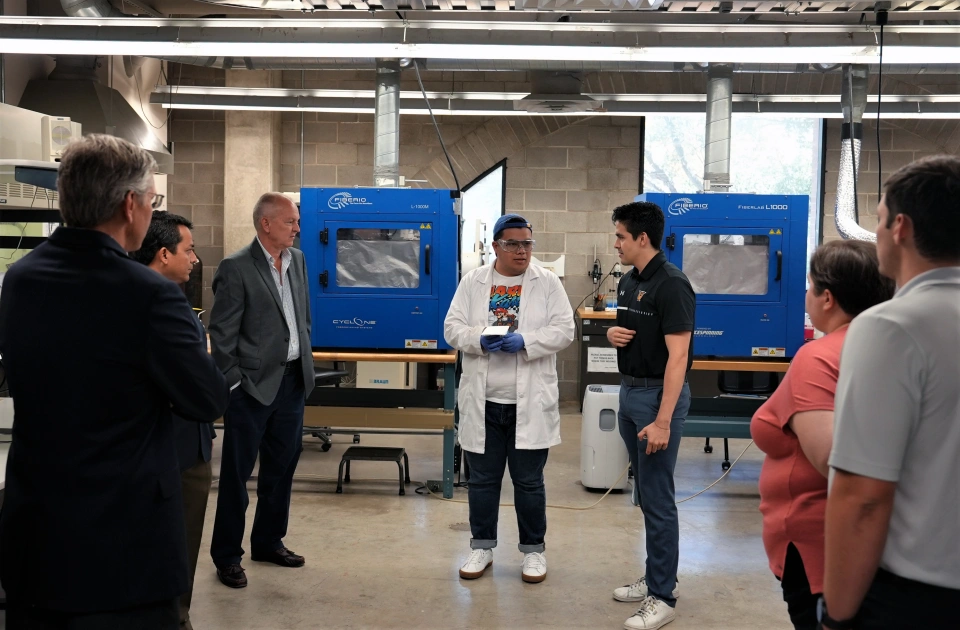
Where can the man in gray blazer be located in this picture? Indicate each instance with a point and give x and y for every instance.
(260, 337)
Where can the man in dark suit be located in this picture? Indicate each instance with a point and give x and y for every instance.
(168, 250)
(98, 351)
(260, 336)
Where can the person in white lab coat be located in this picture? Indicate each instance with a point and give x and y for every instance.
(509, 397)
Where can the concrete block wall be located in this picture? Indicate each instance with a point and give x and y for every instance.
(567, 184)
(196, 186)
(901, 142)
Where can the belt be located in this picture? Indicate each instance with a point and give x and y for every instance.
(642, 381)
(292, 367)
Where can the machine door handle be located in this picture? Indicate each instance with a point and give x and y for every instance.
(779, 265)
(324, 279)
(426, 259)
(672, 241)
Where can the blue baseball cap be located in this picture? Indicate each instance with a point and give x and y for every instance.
(510, 221)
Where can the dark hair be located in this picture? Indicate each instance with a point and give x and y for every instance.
(164, 231)
(851, 271)
(928, 191)
(641, 217)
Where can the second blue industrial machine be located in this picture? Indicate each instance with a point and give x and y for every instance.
(745, 256)
(383, 265)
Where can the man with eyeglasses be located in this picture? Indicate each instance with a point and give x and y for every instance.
(168, 249)
(508, 396)
(99, 351)
(260, 338)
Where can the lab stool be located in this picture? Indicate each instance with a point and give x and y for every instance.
(374, 454)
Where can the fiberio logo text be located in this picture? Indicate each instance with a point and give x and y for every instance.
(683, 205)
(341, 200)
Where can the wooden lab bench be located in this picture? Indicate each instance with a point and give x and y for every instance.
(390, 411)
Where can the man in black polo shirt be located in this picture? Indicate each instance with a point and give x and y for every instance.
(654, 341)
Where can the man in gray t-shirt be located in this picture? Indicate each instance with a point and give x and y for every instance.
(893, 513)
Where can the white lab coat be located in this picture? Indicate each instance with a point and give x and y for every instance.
(546, 323)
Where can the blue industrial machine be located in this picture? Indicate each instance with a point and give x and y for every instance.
(383, 265)
(745, 256)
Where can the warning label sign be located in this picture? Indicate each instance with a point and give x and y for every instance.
(421, 344)
(768, 352)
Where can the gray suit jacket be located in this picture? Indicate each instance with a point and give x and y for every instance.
(248, 333)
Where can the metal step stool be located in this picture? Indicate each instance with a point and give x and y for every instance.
(374, 454)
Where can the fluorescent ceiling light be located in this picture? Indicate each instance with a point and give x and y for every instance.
(488, 52)
(665, 109)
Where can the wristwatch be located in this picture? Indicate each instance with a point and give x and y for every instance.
(828, 622)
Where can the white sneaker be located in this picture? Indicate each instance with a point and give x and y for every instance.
(534, 567)
(476, 564)
(653, 614)
(637, 592)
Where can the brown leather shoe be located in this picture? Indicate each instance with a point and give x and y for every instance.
(232, 575)
(282, 557)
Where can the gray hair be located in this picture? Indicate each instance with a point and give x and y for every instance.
(266, 202)
(96, 173)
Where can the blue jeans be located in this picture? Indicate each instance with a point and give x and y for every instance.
(653, 482)
(486, 478)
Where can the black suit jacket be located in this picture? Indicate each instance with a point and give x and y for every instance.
(194, 439)
(98, 351)
(248, 333)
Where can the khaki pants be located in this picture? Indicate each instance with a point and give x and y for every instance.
(195, 487)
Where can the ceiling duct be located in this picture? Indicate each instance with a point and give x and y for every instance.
(386, 125)
(716, 164)
(853, 102)
(557, 92)
(73, 90)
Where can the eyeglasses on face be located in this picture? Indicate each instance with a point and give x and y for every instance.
(157, 200)
(515, 246)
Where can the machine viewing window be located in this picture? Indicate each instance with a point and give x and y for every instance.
(378, 258)
(727, 264)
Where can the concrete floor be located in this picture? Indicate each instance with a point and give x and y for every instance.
(379, 560)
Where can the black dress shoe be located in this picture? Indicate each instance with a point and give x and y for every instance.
(282, 556)
(232, 575)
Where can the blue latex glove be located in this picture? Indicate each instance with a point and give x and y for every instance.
(491, 343)
(512, 343)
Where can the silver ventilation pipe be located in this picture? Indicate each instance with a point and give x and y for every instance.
(386, 125)
(853, 101)
(716, 155)
(89, 8)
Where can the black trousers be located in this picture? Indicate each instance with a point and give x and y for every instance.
(275, 432)
(163, 615)
(894, 602)
(801, 603)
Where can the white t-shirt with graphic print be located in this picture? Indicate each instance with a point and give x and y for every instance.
(504, 310)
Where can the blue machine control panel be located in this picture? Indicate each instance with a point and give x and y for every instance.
(745, 256)
(383, 265)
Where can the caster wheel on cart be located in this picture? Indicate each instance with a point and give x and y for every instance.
(325, 446)
(725, 466)
(708, 449)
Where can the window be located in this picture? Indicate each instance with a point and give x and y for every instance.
(378, 258)
(769, 155)
(727, 264)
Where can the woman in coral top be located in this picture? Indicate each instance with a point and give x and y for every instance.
(795, 426)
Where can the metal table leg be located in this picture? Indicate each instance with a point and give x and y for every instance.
(449, 436)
